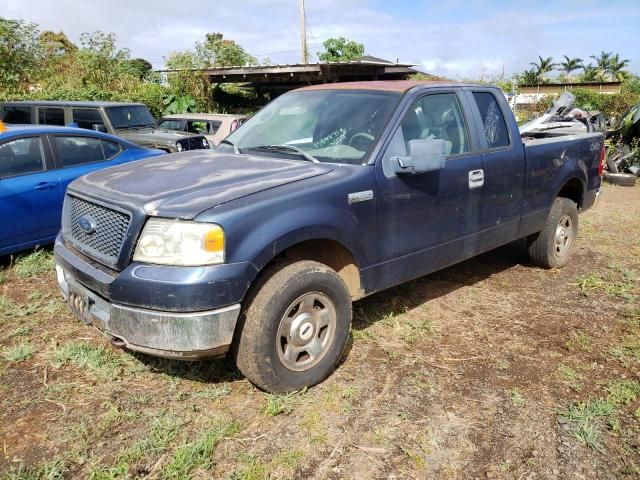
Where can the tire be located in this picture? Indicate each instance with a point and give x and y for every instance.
(294, 327)
(622, 179)
(552, 247)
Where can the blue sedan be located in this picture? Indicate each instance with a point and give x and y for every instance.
(36, 165)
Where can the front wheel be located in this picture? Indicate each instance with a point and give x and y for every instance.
(294, 327)
(552, 247)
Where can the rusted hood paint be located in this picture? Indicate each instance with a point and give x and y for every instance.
(184, 184)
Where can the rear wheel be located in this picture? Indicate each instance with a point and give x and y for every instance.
(552, 247)
(294, 327)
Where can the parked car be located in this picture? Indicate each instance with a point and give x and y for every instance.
(215, 126)
(329, 194)
(131, 121)
(36, 165)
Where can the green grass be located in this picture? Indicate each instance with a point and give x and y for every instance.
(33, 264)
(163, 430)
(628, 351)
(623, 392)
(10, 309)
(516, 397)
(572, 377)
(100, 361)
(198, 454)
(280, 404)
(579, 341)
(585, 418)
(252, 469)
(47, 471)
(619, 282)
(214, 393)
(19, 352)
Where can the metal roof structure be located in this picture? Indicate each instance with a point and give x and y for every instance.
(280, 78)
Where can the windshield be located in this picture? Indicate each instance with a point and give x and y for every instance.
(130, 116)
(336, 126)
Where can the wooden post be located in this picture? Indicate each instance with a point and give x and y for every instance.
(303, 34)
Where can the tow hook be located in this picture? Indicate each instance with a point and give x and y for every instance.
(117, 342)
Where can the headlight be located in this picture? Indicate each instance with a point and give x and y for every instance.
(205, 144)
(178, 242)
(179, 146)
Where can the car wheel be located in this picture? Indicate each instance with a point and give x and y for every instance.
(622, 179)
(294, 327)
(552, 247)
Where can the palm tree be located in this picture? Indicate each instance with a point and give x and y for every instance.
(528, 77)
(602, 63)
(617, 68)
(543, 66)
(570, 64)
(589, 74)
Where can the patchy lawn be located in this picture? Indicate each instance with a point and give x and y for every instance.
(489, 369)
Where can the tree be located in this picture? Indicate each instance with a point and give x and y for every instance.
(101, 63)
(59, 55)
(20, 54)
(570, 64)
(617, 68)
(340, 50)
(542, 67)
(602, 64)
(217, 51)
(141, 67)
(589, 74)
(528, 77)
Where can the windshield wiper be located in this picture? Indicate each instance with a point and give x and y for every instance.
(287, 149)
(236, 150)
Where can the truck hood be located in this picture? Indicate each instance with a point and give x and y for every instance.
(182, 185)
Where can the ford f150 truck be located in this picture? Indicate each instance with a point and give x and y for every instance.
(328, 194)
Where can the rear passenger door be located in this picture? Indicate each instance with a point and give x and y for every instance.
(30, 205)
(77, 155)
(504, 168)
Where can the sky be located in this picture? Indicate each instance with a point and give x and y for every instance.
(454, 38)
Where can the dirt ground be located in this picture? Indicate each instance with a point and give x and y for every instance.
(488, 369)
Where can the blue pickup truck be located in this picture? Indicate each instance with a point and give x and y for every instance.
(328, 194)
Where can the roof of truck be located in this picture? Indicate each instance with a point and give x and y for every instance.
(385, 85)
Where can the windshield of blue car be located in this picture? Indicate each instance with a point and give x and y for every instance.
(130, 116)
(335, 126)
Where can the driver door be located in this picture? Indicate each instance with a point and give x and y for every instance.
(429, 220)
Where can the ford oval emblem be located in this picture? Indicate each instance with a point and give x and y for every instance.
(87, 224)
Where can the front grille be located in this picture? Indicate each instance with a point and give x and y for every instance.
(192, 143)
(109, 229)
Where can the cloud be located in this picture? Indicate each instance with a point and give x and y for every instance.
(452, 38)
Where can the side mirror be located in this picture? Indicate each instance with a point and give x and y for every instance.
(425, 155)
(99, 127)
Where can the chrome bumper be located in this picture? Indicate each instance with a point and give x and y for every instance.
(186, 336)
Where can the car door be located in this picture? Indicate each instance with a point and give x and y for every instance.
(504, 168)
(77, 155)
(30, 204)
(429, 220)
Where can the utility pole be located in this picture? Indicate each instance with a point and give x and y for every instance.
(303, 33)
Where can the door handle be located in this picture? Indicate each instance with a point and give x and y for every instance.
(44, 186)
(476, 178)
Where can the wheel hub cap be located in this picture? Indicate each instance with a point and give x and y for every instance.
(563, 238)
(306, 331)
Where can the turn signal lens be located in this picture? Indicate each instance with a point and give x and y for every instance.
(214, 240)
(2, 127)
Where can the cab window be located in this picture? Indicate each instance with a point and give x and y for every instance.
(21, 156)
(495, 128)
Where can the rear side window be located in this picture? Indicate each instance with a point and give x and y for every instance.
(77, 150)
(16, 115)
(51, 116)
(86, 118)
(21, 156)
(110, 149)
(495, 128)
(198, 126)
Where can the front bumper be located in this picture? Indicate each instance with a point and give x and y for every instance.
(183, 335)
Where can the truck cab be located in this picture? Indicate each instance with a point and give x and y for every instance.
(328, 194)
